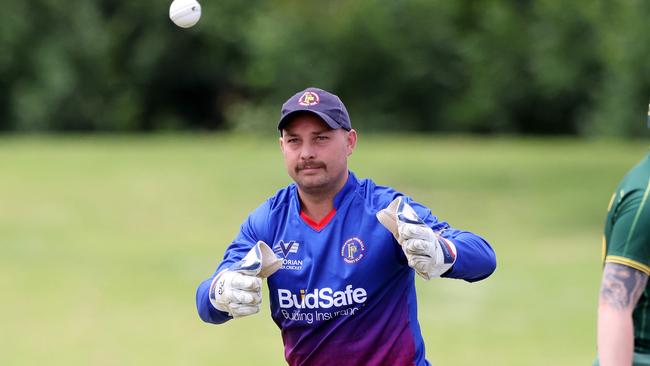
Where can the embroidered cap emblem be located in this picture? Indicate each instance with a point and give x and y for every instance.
(309, 98)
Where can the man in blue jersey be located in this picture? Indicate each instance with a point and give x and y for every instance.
(343, 292)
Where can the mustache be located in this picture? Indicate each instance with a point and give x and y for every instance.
(310, 165)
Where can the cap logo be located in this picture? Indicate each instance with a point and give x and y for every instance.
(309, 98)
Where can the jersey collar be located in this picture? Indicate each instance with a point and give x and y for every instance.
(349, 187)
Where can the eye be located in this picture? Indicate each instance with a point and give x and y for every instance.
(322, 138)
(292, 140)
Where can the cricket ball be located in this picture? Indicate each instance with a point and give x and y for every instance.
(185, 13)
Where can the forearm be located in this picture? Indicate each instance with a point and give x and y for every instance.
(615, 336)
(620, 291)
(475, 258)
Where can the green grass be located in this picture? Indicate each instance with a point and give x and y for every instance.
(104, 240)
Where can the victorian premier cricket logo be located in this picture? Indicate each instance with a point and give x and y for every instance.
(287, 249)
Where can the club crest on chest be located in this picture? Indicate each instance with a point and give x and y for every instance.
(353, 250)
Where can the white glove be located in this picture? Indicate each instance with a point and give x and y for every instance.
(238, 289)
(428, 253)
(236, 293)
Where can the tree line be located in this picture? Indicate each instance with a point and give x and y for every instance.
(491, 66)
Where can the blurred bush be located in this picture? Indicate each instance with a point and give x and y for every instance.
(492, 66)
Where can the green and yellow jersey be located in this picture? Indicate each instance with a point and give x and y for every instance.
(627, 239)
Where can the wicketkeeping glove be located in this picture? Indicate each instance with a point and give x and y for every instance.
(428, 253)
(238, 289)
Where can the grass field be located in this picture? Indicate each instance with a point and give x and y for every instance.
(104, 240)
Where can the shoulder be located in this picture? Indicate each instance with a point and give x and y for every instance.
(268, 211)
(281, 199)
(376, 197)
(633, 191)
(638, 178)
(631, 199)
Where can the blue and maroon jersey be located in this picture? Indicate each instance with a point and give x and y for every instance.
(344, 294)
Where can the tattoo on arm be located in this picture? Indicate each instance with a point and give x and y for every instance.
(622, 286)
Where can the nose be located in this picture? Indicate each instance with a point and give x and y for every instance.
(307, 152)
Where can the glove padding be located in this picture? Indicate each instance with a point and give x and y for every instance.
(428, 253)
(238, 289)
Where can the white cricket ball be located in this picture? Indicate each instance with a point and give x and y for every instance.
(185, 13)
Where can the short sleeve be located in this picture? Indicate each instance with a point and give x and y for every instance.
(629, 241)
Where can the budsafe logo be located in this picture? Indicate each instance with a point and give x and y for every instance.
(286, 249)
(321, 304)
(323, 298)
(353, 250)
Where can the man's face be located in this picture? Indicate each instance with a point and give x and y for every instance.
(316, 155)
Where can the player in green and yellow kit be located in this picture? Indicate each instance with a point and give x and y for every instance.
(624, 304)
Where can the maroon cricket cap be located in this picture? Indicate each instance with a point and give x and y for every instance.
(322, 103)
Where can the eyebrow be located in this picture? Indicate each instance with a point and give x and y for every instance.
(314, 133)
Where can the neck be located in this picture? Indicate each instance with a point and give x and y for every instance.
(318, 204)
(316, 208)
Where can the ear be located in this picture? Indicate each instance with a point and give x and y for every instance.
(281, 144)
(352, 141)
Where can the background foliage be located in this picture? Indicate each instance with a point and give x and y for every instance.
(493, 66)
